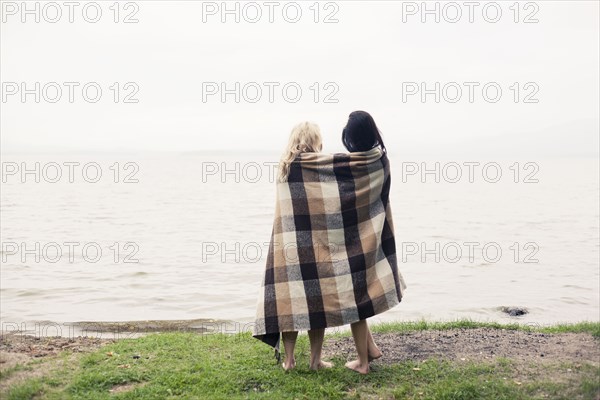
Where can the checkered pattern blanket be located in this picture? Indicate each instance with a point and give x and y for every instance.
(332, 256)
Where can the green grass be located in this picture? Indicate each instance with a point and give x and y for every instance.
(580, 327)
(182, 365)
(11, 371)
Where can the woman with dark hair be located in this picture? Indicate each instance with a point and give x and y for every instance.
(359, 135)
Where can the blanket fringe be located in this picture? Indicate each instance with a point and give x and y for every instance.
(277, 348)
(278, 356)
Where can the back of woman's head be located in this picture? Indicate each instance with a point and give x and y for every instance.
(305, 138)
(361, 133)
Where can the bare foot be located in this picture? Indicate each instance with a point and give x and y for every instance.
(375, 355)
(356, 366)
(322, 364)
(288, 365)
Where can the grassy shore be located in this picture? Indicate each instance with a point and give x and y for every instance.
(184, 365)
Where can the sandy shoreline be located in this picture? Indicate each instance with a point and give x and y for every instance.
(118, 329)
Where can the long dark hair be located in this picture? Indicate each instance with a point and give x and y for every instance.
(361, 133)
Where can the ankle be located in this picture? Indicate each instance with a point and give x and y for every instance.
(289, 364)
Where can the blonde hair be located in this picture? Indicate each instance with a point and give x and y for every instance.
(305, 138)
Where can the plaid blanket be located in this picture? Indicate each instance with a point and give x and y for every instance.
(332, 255)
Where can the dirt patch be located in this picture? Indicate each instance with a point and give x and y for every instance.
(35, 346)
(561, 358)
(475, 344)
(126, 387)
(24, 356)
(11, 360)
(533, 356)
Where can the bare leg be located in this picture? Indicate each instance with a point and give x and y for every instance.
(289, 342)
(374, 352)
(359, 332)
(316, 345)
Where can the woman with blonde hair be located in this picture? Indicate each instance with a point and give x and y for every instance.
(304, 139)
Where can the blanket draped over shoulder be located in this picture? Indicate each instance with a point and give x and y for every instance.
(332, 256)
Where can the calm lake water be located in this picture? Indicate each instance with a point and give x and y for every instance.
(198, 226)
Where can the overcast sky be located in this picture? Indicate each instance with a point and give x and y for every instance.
(363, 61)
